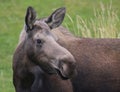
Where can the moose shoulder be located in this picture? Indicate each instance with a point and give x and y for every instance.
(40, 64)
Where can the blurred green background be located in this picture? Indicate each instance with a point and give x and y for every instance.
(12, 14)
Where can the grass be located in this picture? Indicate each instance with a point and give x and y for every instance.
(86, 18)
(104, 24)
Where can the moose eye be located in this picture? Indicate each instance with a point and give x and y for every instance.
(39, 42)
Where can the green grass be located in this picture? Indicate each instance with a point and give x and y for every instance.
(80, 13)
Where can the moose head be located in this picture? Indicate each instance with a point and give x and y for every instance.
(41, 46)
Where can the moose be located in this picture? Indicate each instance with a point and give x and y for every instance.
(90, 65)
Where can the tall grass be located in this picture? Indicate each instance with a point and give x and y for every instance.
(104, 24)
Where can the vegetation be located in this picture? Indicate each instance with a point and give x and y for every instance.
(104, 24)
(85, 18)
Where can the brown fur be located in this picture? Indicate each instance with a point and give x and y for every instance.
(98, 62)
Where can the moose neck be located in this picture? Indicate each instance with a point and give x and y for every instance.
(65, 38)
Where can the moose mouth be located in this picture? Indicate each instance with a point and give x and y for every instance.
(61, 75)
(55, 70)
(59, 72)
(63, 70)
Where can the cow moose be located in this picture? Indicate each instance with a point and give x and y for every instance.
(97, 66)
(40, 64)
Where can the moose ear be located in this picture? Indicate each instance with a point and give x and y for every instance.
(30, 18)
(56, 18)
